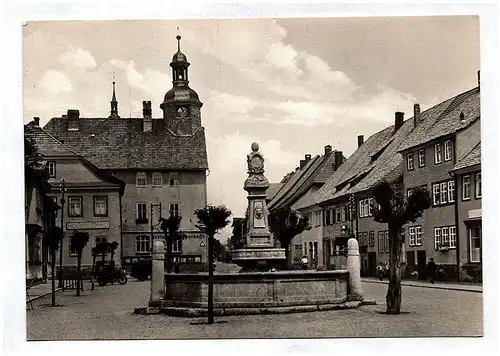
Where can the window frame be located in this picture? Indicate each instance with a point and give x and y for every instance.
(447, 150)
(80, 198)
(371, 238)
(53, 164)
(154, 176)
(421, 158)
(146, 241)
(450, 229)
(438, 154)
(105, 202)
(140, 176)
(470, 229)
(411, 234)
(443, 192)
(466, 198)
(418, 235)
(173, 179)
(410, 162)
(140, 220)
(177, 245)
(436, 192)
(476, 180)
(451, 188)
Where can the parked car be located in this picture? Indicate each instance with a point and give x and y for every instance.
(141, 269)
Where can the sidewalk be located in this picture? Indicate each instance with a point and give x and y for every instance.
(40, 291)
(466, 287)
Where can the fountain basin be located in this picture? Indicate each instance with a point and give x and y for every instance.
(256, 290)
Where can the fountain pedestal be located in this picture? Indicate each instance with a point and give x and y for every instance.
(258, 252)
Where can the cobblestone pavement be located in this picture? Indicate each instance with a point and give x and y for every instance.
(107, 313)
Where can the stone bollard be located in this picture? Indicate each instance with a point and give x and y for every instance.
(353, 266)
(157, 273)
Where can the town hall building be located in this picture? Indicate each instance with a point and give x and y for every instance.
(163, 162)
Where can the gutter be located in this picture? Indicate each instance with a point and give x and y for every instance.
(457, 228)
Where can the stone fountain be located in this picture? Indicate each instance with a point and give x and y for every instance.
(258, 252)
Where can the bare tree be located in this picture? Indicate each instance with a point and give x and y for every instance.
(170, 227)
(52, 238)
(395, 210)
(79, 240)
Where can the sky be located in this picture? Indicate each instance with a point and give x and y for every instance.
(292, 85)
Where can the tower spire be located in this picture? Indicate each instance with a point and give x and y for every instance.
(178, 42)
(114, 103)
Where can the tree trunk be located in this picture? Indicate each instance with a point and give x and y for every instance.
(393, 297)
(53, 274)
(210, 280)
(79, 273)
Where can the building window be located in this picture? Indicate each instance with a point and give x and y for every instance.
(177, 245)
(478, 186)
(100, 206)
(453, 237)
(411, 232)
(437, 154)
(75, 207)
(451, 191)
(421, 157)
(327, 217)
(475, 243)
(99, 239)
(140, 179)
(444, 192)
(52, 169)
(315, 251)
(418, 235)
(409, 161)
(338, 214)
(386, 241)
(466, 187)
(142, 216)
(157, 179)
(143, 244)
(435, 194)
(72, 250)
(54, 199)
(371, 239)
(174, 179)
(437, 238)
(370, 205)
(447, 150)
(174, 209)
(445, 242)
(362, 208)
(305, 248)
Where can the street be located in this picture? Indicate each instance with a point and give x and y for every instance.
(107, 313)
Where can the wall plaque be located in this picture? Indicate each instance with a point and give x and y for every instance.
(87, 225)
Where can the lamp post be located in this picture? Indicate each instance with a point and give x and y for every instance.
(63, 189)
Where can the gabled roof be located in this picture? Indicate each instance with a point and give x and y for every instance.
(472, 158)
(49, 147)
(122, 144)
(273, 189)
(291, 185)
(444, 118)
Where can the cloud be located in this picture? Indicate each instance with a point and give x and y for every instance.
(55, 82)
(284, 57)
(78, 58)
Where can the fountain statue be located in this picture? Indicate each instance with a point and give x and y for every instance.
(258, 252)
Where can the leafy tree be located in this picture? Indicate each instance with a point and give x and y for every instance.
(211, 220)
(285, 224)
(78, 242)
(34, 170)
(395, 210)
(52, 238)
(170, 227)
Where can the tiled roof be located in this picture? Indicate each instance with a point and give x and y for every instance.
(470, 159)
(444, 118)
(122, 144)
(327, 169)
(273, 189)
(291, 184)
(47, 145)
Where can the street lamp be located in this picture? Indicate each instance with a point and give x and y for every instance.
(63, 189)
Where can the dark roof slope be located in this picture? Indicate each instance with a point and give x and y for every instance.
(122, 144)
(47, 145)
(444, 118)
(273, 189)
(470, 159)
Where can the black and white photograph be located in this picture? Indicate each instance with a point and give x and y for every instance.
(296, 177)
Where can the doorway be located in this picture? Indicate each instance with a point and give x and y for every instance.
(421, 265)
(372, 264)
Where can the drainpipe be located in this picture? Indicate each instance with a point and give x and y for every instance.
(457, 230)
(121, 230)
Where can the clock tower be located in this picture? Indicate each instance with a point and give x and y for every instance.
(181, 105)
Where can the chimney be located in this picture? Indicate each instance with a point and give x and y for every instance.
(361, 139)
(36, 121)
(307, 157)
(328, 149)
(146, 109)
(479, 79)
(416, 115)
(73, 117)
(398, 121)
(339, 159)
(302, 163)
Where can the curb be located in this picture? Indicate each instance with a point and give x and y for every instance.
(32, 299)
(428, 286)
(202, 312)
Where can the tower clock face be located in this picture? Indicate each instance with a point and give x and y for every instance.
(182, 111)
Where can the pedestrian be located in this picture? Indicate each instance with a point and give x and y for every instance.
(431, 269)
(304, 262)
(380, 271)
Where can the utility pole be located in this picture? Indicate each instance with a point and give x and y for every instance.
(63, 190)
